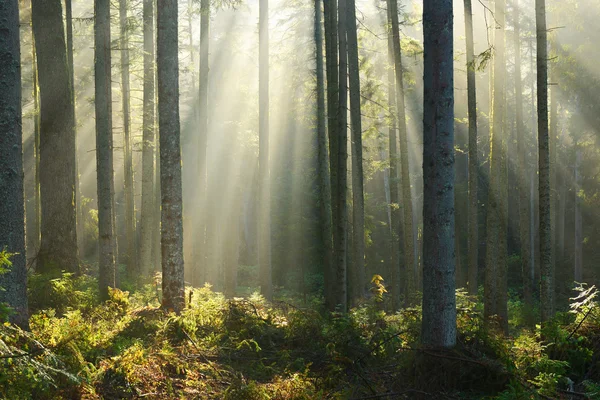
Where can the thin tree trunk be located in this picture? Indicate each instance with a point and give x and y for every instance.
(473, 268)
(410, 259)
(167, 48)
(104, 146)
(546, 270)
(71, 65)
(264, 204)
(12, 202)
(553, 135)
(322, 156)
(148, 211)
(36, 137)
(333, 101)
(523, 169)
(578, 275)
(340, 236)
(132, 267)
(495, 301)
(395, 225)
(202, 246)
(439, 301)
(58, 248)
(357, 277)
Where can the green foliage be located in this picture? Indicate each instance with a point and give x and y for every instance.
(5, 264)
(62, 291)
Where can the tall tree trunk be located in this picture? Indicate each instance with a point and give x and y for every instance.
(523, 169)
(546, 270)
(439, 301)
(410, 259)
(340, 233)
(71, 65)
(132, 267)
(473, 267)
(322, 154)
(202, 240)
(562, 205)
(58, 248)
(578, 263)
(148, 212)
(357, 277)
(104, 147)
(232, 252)
(495, 301)
(553, 138)
(333, 101)
(167, 48)
(12, 202)
(36, 145)
(264, 204)
(396, 217)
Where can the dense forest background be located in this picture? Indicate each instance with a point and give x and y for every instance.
(299, 199)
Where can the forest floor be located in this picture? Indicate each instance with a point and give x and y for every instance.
(247, 348)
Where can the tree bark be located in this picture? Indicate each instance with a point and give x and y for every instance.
(148, 212)
(80, 217)
(545, 224)
(439, 301)
(204, 68)
(36, 137)
(395, 215)
(58, 249)
(322, 154)
(104, 147)
(410, 259)
(264, 226)
(333, 101)
(340, 233)
(170, 157)
(357, 277)
(473, 267)
(12, 202)
(132, 264)
(524, 202)
(578, 263)
(495, 299)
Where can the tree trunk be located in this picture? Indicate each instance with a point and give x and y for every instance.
(473, 267)
(148, 212)
(36, 137)
(58, 248)
(322, 155)
(202, 241)
(340, 233)
(264, 204)
(395, 217)
(80, 217)
(439, 301)
(523, 170)
(104, 146)
(12, 202)
(546, 270)
(132, 267)
(333, 101)
(410, 259)
(357, 277)
(495, 300)
(578, 276)
(170, 157)
(553, 138)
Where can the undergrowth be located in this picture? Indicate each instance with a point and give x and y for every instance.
(247, 348)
